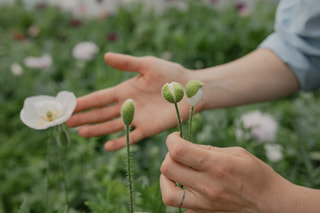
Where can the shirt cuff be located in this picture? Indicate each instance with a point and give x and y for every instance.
(300, 64)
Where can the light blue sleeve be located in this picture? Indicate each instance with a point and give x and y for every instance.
(296, 40)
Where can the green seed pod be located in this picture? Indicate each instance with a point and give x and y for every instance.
(172, 92)
(127, 111)
(194, 92)
(192, 87)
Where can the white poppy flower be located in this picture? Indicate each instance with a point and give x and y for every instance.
(42, 62)
(42, 112)
(85, 50)
(263, 127)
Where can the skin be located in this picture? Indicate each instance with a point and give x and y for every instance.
(259, 76)
(228, 180)
(238, 181)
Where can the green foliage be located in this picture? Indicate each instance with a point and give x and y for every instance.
(197, 36)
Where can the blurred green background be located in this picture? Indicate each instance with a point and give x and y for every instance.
(197, 36)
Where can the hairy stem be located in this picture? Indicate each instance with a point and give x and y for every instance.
(190, 124)
(129, 169)
(46, 194)
(179, 120)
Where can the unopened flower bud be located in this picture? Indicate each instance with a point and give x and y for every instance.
(194, 92)
(172, 92)
(127, 111)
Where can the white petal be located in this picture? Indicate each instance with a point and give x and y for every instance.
(171, 88)
(29, 115)
(34, 112)
(194, 100)
(69, 101)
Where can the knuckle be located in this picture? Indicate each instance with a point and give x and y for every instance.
(241, 150)
(169, 198)
(165, 167)
(212, 192)
(148, 58)
(224, 171)
(177, 150)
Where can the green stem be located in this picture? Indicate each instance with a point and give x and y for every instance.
(180, 130)
(190, 124)
(179, 120)
(62, 161)
(64, 181)
(129, 169)
(46, 199)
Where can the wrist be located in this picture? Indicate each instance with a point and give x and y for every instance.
(284, 196)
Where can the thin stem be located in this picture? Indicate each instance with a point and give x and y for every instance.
(181, 132)
(190, 123)
(129, 169)
(64, 181)
(179, 120)
(46, 199)
(62, 151)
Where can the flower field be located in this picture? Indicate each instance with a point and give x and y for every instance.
(44, 50)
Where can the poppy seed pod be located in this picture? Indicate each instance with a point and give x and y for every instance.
(194, 92)
(172, 92)
(127, 111)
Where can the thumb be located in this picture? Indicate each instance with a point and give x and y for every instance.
(123, 62)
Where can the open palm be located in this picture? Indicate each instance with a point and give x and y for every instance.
(101, 109)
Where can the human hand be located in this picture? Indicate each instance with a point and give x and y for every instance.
(153, 114)
(220, 180)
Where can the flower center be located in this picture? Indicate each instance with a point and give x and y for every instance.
(50, 116)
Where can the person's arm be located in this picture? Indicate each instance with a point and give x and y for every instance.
(228, 180)
(257, 77)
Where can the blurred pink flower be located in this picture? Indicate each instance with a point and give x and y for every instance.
(214, 1)
(85, 50)
(18, 36)
(112, 36)
(42, 62)
(33, 31)
(75, 23)
(42, 6)
(81, 9)
(242, 9)
(257, 125)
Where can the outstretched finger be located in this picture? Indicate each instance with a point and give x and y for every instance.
(101, 129)
(96, 99)
(119, 143)
(94, 116)
(123, 62)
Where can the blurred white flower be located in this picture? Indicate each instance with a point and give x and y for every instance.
(85, 50)
(273, 152)
(16, 69)
(42, 62)
(258, 125)
(166, 55)
(42, 112)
